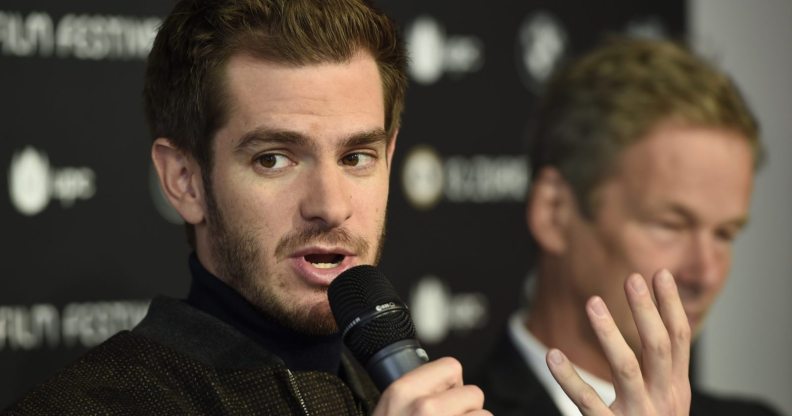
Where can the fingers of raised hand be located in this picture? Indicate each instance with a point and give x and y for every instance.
(676, 322)
(656, 354)
(679, 334)
(585, 398)
(659, 383)
(665, 346)
(628, 380)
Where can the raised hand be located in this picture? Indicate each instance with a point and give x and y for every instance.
(658, 384)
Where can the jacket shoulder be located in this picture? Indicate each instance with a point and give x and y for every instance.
(130, 374)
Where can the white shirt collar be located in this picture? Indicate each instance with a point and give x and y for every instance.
(534, 352)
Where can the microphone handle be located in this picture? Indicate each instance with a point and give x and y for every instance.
(394, 361)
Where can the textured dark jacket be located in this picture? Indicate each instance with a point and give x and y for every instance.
(179, 360)
(511, 388)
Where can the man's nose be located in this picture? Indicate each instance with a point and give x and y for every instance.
(704, 264)
(327, 199)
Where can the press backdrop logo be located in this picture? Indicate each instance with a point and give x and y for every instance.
(541, 43)
(33, 182)
(433, 52)
(436, 311)
(83, 324)
(78, 36)
(428, 178)
(422, 177)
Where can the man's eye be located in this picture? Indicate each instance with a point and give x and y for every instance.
(357, 160)
(273, 161)
(668, 229)
(671, 226)
(726, 235)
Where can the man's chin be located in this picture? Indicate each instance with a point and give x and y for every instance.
(319, 326)
(313, 320)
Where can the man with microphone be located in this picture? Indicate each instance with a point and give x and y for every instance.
(643, 158)
(274, 124)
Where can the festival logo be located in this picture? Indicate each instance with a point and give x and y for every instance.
(433, 52)
(541, 43)
(437, 311)
(33, 182)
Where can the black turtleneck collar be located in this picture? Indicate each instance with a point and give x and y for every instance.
(299, 351)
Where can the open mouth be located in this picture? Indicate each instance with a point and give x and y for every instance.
(324, 261)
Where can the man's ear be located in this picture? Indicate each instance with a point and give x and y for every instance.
(180, 180)
(548, 213)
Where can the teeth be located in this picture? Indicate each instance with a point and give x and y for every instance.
(325, 265)
(324, 261)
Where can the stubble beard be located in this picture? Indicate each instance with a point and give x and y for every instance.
(240, 264)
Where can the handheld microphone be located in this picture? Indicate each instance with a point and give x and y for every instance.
(375, 324)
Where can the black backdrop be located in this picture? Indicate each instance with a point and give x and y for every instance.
(85, 240)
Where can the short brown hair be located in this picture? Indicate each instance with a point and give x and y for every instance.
(616, 94)
(184, 93)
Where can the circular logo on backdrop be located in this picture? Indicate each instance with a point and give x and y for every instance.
(430, 309)
(541, 42)
(425, 41)
(33, 182)
(29, 181)
(433, 52)
(438, 312)
(422, 177)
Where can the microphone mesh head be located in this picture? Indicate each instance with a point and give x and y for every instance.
(356, 293)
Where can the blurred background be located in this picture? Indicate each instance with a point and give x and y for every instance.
(86, 238)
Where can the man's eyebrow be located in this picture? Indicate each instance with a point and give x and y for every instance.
(366, 138)
(737, 222)
(263, 135)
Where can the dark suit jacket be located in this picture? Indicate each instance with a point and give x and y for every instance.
(180, 360)
(511, 389)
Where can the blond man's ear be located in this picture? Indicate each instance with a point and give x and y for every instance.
(551, 204)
